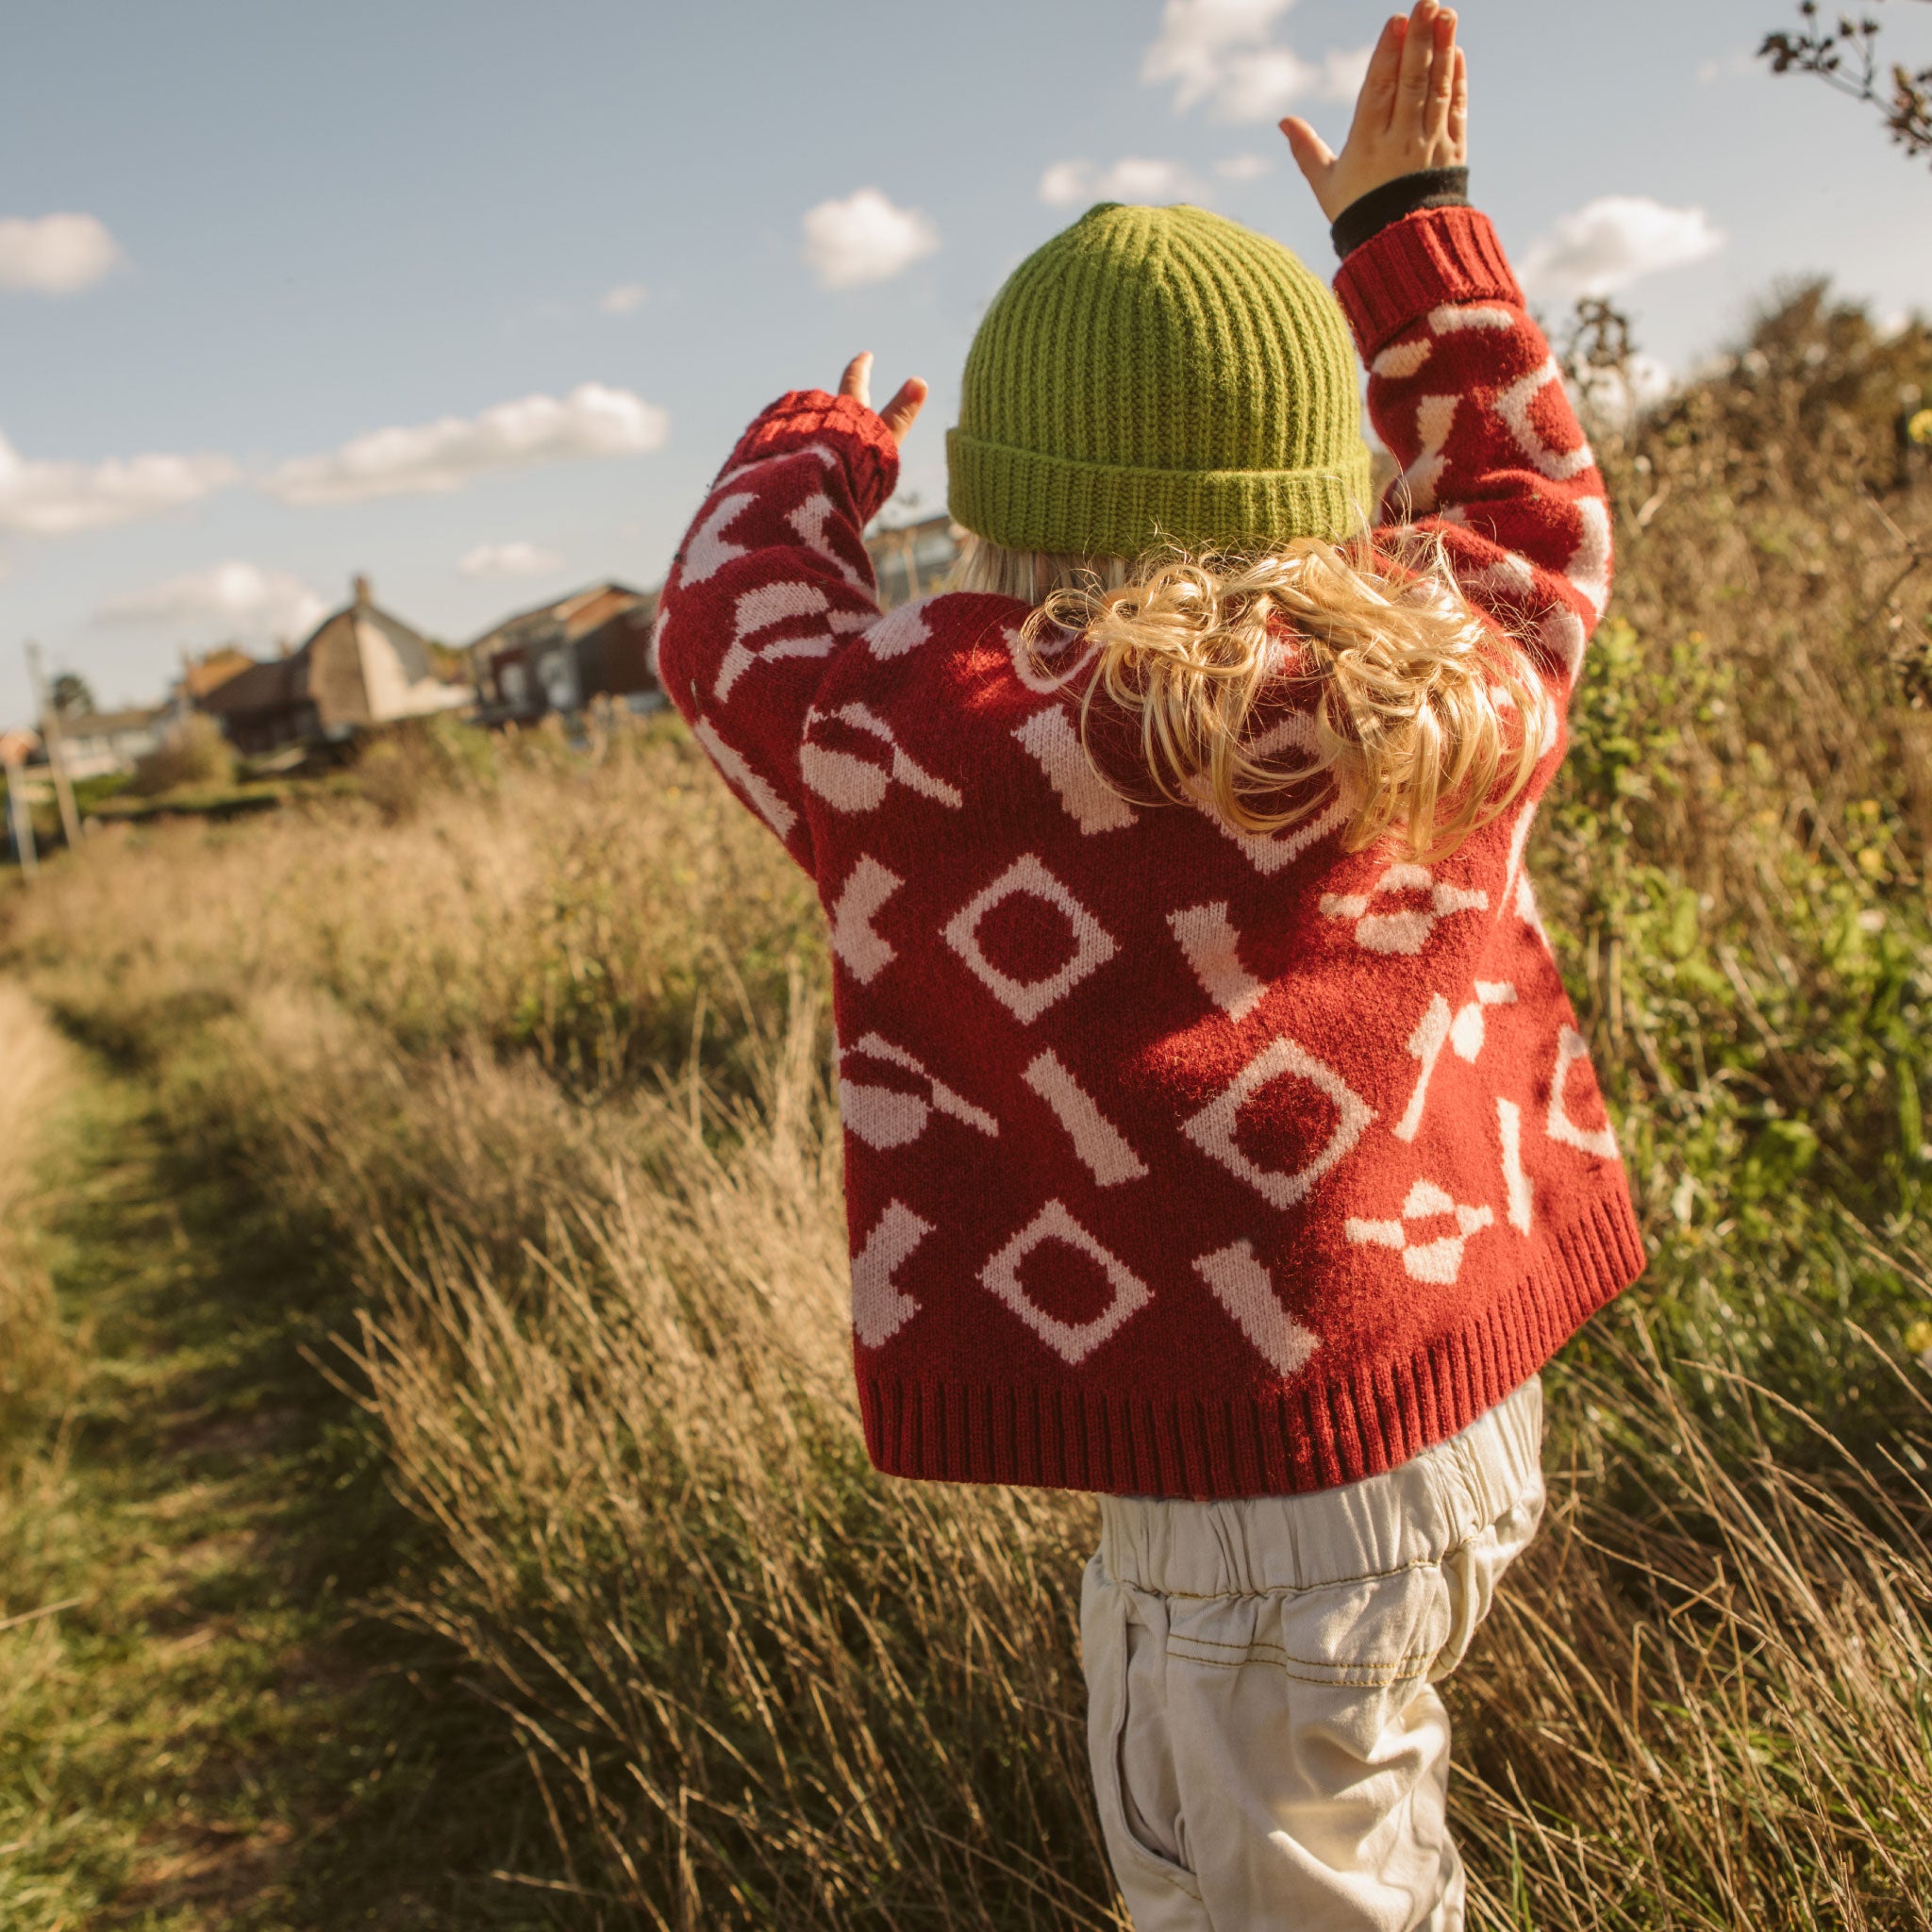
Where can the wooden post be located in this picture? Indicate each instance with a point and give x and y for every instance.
(20, 819)
(57, 750)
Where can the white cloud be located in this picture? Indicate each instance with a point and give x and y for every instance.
(1244, 167)
(1134, 180)
(516, 559)
(1198, 36)
(56, 255)
(55, 499)
(1263, 85)
(626, 299)
(1614, 241)
(864, 239)
(238, 600)
(1220, 52)
(452, 452)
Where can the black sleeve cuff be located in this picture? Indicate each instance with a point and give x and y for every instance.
(1380, 207)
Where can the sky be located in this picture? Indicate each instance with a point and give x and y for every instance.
(473, 297)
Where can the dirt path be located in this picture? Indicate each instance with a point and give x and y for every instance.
(208, 1734)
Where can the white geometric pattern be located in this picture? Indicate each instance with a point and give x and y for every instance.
(902, 630)
(1435, 417)
(766, 802)
(1439, 1260)
(1101, 1146)
(885, 1117)
(758, 610)
(1407, 359)
(1242, 1285)
(1073, 1340)
(879, 1309)
(1212, 1129)
(1094, 946)
(812, 520)
(1397, 364)
(708, 553)
(745, 472)
(1562, 636)
(1029, 666)
(1513, 405)
(1601, 1141)
(1268, 851)
(1515, 1182)
(1207, 936)
(1408, 929)
(1463, 1031)
(1451, 319)
(849, 783)
(1055, 745)
(1590, 569)
(868, 886)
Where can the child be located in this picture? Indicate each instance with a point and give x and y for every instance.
(1218, 1135)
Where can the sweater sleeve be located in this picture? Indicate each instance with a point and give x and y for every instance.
(1466, 395)
(771, 579)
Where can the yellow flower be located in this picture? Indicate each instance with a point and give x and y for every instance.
(1920, 428)
(1918, 1337)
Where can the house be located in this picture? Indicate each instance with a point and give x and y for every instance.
(359, 667)
(96, 743)
(200, 675)
(559, 656)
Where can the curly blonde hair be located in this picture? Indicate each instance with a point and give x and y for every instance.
(1422, 720)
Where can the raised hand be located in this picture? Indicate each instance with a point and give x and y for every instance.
(899, 414)
(1412, 113)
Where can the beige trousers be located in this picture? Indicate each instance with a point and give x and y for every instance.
(1268, 1747)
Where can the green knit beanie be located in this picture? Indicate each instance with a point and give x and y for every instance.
(1158, 372)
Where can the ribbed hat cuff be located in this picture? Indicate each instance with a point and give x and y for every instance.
(1023, 500)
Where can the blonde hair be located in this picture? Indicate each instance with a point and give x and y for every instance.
(1424, 722)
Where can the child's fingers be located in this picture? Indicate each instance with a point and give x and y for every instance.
(856, 381)
(898, 415)
(1375, 104)
(1441, 79)
(1458, 110)
(1312, 155)
(1418, 57)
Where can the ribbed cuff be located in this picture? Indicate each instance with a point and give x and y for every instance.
(841, 424)
(1369, 214)
(1440, 255)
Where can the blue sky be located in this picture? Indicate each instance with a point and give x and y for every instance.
(307, 225)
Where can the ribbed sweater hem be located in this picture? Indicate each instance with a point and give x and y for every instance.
(1318, 1433)
(1438, 256)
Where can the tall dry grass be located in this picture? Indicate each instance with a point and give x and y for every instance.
(533, 1038)
(35, 1360)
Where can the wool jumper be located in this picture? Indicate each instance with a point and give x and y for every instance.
(1179, 1162)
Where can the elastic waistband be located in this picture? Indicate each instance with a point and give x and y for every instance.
(1415, 1513)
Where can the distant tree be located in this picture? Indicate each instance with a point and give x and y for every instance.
(1845, 57)
(72, 694)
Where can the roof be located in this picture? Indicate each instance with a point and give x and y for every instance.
(270, 686)
(200, 675)
(557, 614)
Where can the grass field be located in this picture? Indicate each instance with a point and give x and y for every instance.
(433, 1274)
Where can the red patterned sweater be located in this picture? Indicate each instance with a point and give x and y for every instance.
(1178, 1162)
